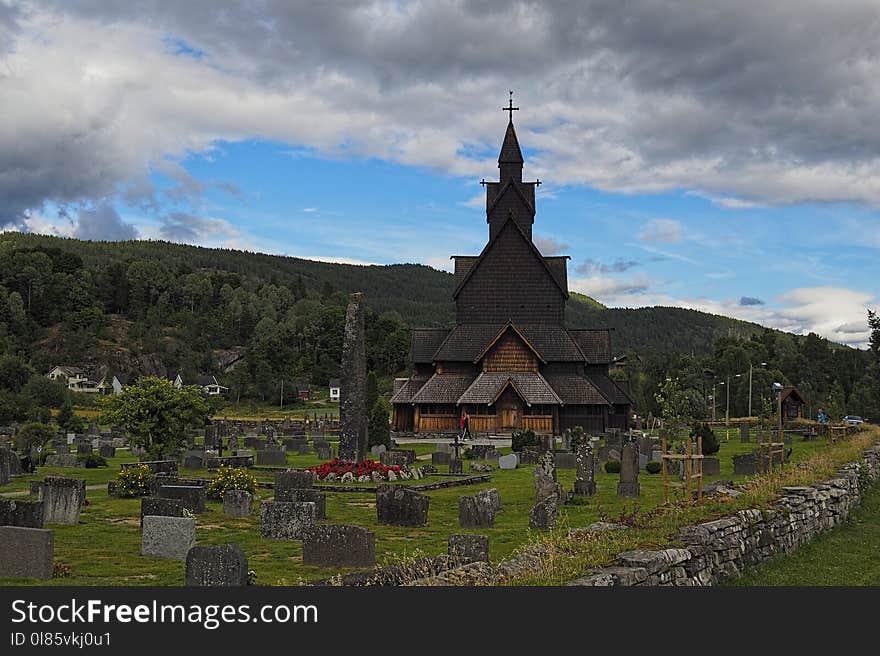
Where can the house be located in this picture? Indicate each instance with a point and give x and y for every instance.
(76, 380)
(510, 361)
(334, 389)
(121, 381)
(206, 383)
(792, 403)
(303, 391)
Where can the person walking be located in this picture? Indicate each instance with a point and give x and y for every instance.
(466, 426)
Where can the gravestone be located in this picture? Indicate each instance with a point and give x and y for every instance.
(492, 455)
(167, 537)
(61, 449)
(444, 447)
(306, 495)
(26, 553)
(476, 512)
(271, 457)
(441, 458)
(564, 460)
(286, 520)
(746, 463)
(194, 462)
(646, 446)
(159, 507)
(237, 503)
(398, 506)
(12, 462)
(545, 477)
(509, 461)
(21, 513)
(628, 486)
(744, 432)
(64, 460)
(566, 440)
(456, 466)
(107, 451)
(493, 497)
(84, 449)
(543, 514)
(711, 466)
(469, 548)
(166, 467)
(478, 451)
(325, 452)
(377, 450)
(585, 478)
(192, 496)
(5, 475)
(352, 409)
(220, 565)
(62, 499)
(545, 443)
(401, 457)
(528, 457)
(339, 545)
(293, 480)
(643, 461)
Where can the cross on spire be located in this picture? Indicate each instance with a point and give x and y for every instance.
(510, 108)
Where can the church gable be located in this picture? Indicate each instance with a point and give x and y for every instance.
(510, 282)
(511, 200)
(510, 353)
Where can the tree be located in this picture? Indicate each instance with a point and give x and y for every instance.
(69, 421)
(14, 373)
(33, 435)
(156, 414)
(874, 340)
(674, 404)
(45, 392)
(371, 392)
(378, 425)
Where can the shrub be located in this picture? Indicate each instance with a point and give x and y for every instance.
(92, 461)
(577, 437)
(33, 434)
(133, 481)
(653, 467)
(231, 478)
(710, 442)
(612, 466)
(378, 423)
(522, 439)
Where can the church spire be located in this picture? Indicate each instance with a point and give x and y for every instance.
(510, 160)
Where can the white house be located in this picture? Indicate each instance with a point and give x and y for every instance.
(76, 380)
(334, 389)
(208, 384)
(121, 381)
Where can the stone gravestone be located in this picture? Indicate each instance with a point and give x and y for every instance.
(401, 457)
(476, 512)
(744, 432)
(398, 506)
(564, 460)
(352, 409)
(711, 466)
(543, 514)
(469, 548)
(566, 440)
(528, 457)
(221, 565)
(746, 463)
(377, 450)
(63, 460)
(62, 499)
(26, 553)
(159, 507)
(325, 452)
(237, 503)
(13, 462)
(21, 513)
(107, 451)
(192, 496)
(545, 443)
(547, 494)
(492, 455)
(585, 479)
(298, 486)
(339, 546)
(272, 457)
(508, 461)
(286, 520)
(493, 497)
(628, 486)
(646, 446)
(441, 458)
(167, 537)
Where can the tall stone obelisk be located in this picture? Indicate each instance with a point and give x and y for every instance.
(353, 379)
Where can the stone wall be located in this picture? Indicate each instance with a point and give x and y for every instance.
(714, 551)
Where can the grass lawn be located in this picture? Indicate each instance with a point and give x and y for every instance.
(846, 555)
(104, 548)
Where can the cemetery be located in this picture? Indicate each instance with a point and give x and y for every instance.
(297, 527)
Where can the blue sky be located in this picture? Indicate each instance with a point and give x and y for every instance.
(726, 162)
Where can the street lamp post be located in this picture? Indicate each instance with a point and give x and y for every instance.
(763, 364)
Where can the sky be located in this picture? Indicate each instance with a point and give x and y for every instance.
(722, 156)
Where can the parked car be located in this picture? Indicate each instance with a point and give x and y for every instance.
(853, 420)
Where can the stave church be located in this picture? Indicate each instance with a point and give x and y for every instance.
(510, 362)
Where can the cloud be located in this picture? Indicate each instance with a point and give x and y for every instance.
(739, 102)
(191, 229)
(664, 231)
(548, 245)
(102, 223)
(591, 267)
(309, 210)
(441, 263)
(750, 300)
(477, 202)
(610, 288)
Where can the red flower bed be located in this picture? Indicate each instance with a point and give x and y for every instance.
(365, 468)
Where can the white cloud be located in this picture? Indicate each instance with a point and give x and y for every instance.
(664, 231)
(441, 263)
(549, 245)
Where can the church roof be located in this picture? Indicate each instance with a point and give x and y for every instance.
(443, 388)
(425, 342)
(574, 389)
(510, 150)
(531, 387)
(408, 389)
(467, 342)
(609, 389)
(595, 344)
(509, 224)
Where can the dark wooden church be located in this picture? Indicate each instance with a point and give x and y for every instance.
(510, 362)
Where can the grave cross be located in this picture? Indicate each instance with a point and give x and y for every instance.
(510, 108)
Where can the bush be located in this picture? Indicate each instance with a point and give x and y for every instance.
(379, 428)
(231, 478)
(577, 437)
(710, 442)
(93, 461)
(33, 434)
(133, 481)
(653, 467)
(612, 466)
(519, 440)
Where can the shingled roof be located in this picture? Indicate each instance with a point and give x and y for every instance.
(425, 342)
(443, 388)
(552, 342)
(531, 387)
(463, 264)
(595, 344)
(576, 390)
(510, 150)
(408, 389)
(465, 342)
(610, 390)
